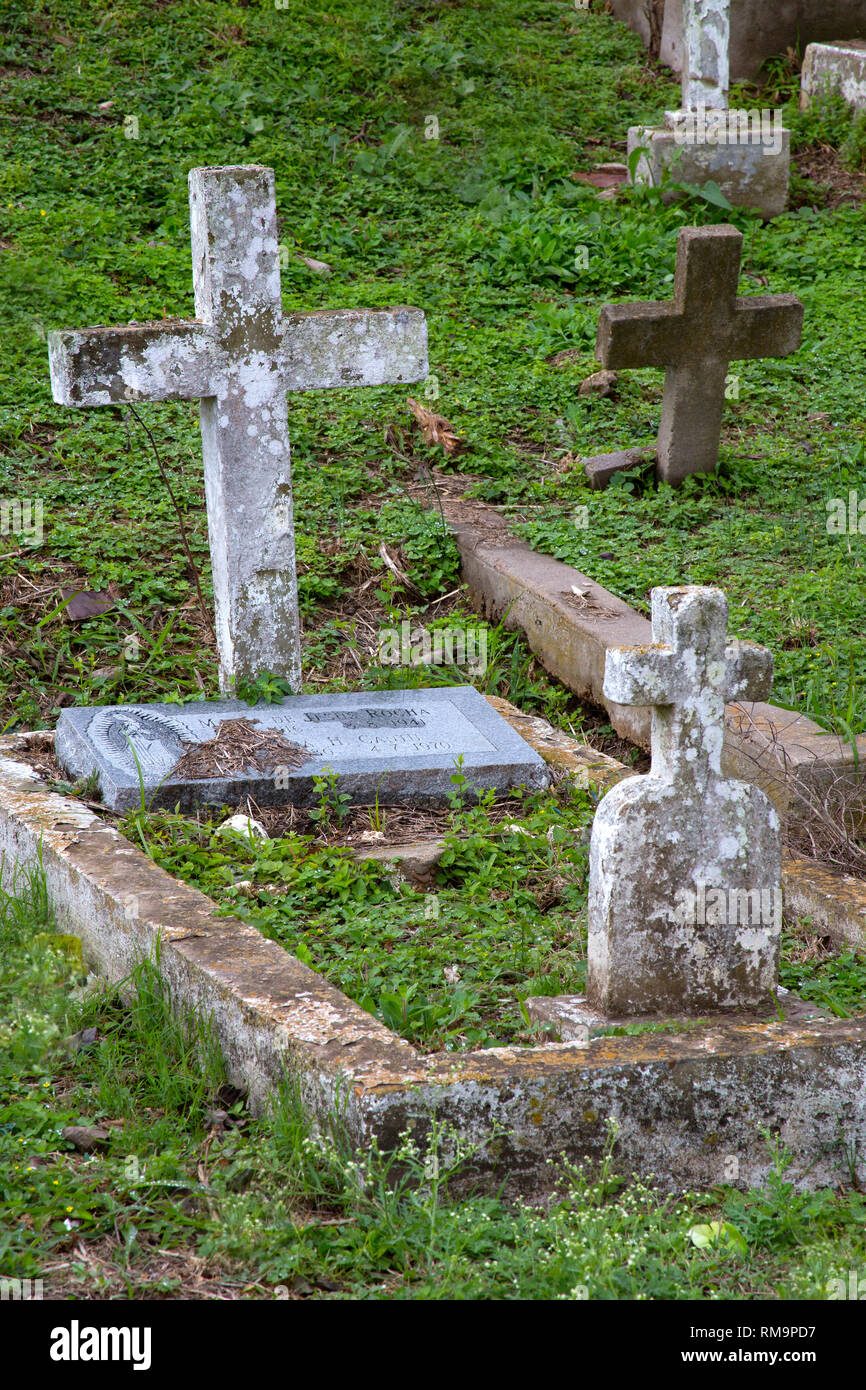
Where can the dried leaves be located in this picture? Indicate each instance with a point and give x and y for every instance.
(435, 429)
(238, 747)
(399, 574)
(85, 603)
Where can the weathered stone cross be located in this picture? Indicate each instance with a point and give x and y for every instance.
(240, 356)
(706, 38)
(695, 337)
(666, 844)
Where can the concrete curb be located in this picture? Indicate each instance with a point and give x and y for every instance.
(832, 903)
(685, 1103)
(782, 751)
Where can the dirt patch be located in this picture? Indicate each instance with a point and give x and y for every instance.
(238, 747)
(371, 826)
(837, 185)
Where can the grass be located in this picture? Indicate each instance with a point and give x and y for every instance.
(192, 1197)
(475, 217)
(478, 225)
(447, 968)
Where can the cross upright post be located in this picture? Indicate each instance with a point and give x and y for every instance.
(706, 38)
(664, 844)
(695, 337)
(239, 357)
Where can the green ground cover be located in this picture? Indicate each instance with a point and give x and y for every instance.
(448, 967)
(483, 227)
(190, 1197)
(508, 913)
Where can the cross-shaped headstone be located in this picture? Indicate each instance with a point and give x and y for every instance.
(706, 38)
(685, 863)
(240, 356)
(695, 337)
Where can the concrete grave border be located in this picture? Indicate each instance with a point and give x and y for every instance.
(685, 1103)
(570, 622)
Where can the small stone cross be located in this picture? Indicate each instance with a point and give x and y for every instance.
(695, 337)
(664, 844)
(240, 356)
(706, 38)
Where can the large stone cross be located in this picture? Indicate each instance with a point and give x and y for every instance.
(695, 337)
(706, 38)
(239, 357)
(685, 863)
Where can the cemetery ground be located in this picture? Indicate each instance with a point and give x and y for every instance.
(484, 226)
(131, 1170)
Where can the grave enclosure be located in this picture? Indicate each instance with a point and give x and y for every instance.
(683, 1100)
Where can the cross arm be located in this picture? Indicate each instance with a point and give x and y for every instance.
(766, 325)
(749, 671)
(640, 335)
(354, 347)
(648, 675)
(171, 360)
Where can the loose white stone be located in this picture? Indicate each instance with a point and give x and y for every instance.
(244, 825)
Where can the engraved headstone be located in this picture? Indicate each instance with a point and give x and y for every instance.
(399, 745)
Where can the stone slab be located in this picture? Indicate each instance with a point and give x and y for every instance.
(837, 67)
(570, 1017)
(832, 903)
(751, 176)
(397, 744)
(601, 467)
(685, 1103)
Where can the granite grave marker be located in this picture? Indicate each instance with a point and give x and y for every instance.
(402, 745)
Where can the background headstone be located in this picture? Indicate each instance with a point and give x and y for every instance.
(694, 337)
(746, 157)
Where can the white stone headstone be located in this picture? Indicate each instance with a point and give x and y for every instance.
(685, 863)
(240, 356)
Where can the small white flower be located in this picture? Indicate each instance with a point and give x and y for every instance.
(452, 974)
